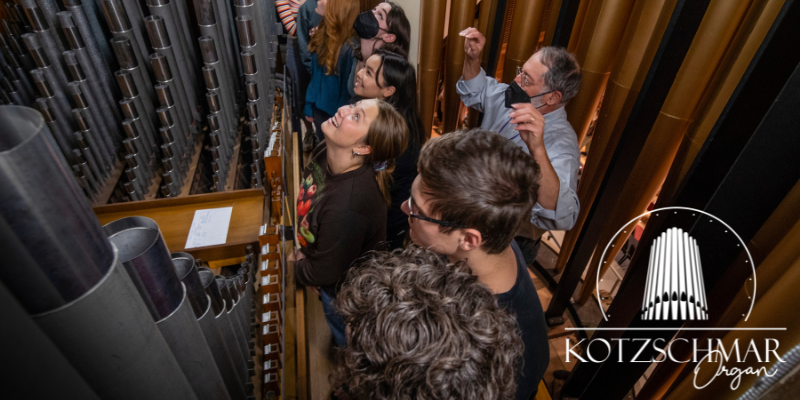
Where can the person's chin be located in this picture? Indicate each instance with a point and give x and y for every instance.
(327, 128)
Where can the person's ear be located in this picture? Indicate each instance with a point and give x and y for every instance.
(471, 239)
(386, 92)
(362, 150)
(555, 98)
(389, 38)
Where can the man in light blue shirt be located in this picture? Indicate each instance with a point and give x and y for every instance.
(537, 122)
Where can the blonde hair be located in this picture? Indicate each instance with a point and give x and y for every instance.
(333, 32)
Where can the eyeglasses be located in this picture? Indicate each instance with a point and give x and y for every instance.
(524, 76)
(447, 224)
(526, 83)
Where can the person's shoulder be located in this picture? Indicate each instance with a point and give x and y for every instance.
(560, 138)
(308, 5)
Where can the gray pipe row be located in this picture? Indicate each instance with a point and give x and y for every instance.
(69, 277)
(117, 315)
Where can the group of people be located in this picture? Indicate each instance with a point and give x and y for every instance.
(419, 249)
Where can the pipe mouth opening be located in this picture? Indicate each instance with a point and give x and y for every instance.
(184, 263)
(132, 236)
(20, 124)
(206, 276)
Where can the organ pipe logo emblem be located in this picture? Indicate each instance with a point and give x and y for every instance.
(674, 289)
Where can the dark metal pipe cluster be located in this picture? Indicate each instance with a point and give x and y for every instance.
(173, 304)
(68, 276)
(229, 322)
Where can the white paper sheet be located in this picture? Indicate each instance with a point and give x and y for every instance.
(209, 227)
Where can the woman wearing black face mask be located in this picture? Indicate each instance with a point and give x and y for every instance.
(385, 27)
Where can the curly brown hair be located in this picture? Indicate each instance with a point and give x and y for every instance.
(421, 328)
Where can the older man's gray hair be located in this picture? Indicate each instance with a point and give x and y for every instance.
(563, 74)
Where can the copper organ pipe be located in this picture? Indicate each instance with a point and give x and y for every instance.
(597, 49)
(639, 43)
(430, 58)
(526, 26)
(462, 14)
(713, 37)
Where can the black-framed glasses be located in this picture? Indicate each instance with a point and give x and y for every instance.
(447, 224)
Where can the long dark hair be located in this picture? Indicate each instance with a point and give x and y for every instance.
(398, 72)
(397, 24)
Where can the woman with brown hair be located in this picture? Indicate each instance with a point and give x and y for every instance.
(331, 62)
(342, 203)
(390, 77)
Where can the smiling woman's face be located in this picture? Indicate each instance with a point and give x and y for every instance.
(350, 124)
(365, 82)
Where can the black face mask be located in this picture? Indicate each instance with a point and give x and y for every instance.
(515, 94)
(366, 25)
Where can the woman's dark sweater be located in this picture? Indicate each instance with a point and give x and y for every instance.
(341, 217)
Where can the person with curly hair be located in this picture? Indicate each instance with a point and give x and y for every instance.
(473, 191)
(422, 328)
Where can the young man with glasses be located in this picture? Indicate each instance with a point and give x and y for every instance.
(530, 112)
(473, 191)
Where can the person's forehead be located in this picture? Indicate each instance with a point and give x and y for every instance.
(385, 7)
(419, 196)
(533, 67)
(373, 60)
(369, 108)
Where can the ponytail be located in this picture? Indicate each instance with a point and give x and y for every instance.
(388, 138)
(385, 180)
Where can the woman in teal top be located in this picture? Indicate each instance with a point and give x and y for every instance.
(331, 62)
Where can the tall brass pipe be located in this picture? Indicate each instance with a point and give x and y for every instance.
(765, 314)
(713, 37)
(430, 58)
(744, 47)
(526, 26)
(486, 19)
(552, 20)
(774, 247)
(462, 14)
(638, 46)
(597, 48)
(577, 26)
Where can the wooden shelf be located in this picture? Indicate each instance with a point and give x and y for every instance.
(174, 217)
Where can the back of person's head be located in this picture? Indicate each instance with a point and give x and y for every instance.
(420, 328)
(387, 137)
(398, 72)
(335, 29)
(480, 180)
(398, 24)
(563, 71)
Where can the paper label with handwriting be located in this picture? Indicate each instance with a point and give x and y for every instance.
(209, 227)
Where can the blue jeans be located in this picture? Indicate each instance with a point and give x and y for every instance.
(334, 319)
